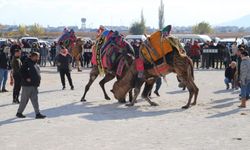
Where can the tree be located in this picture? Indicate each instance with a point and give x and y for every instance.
(161, 15)
(202, 28)
(22, 30)
(138, 28)
(36, 30)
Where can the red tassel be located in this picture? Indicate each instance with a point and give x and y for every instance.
(139, 64)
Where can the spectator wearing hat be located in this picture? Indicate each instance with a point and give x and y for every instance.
(245, 78)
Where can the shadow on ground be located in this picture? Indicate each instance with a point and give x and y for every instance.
(223, 103)
(95, 113)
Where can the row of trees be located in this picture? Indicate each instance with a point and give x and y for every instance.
(33, 30)
(139, 27)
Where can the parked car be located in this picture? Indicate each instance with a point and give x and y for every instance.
(28, 41)
(248, 39)
(3, 41)
(201, 39)
(130, 38)
(230, 41)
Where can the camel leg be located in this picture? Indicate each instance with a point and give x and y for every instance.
(191, 93)
(196, 92)
(145, 94)
(184, 70)
(137, 90)
(93, 75)
(130, 96)
(107, 78)
(78, 63)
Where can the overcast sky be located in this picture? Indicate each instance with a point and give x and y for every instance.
(119, 12)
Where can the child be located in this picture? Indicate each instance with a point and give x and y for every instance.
(230, 74)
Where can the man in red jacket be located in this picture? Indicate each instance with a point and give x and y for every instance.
(195, 52)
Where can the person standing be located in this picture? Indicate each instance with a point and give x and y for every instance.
(53, 52)
(195, 52)
(3, 70)
(30, 81)
(234, 49)
(244, 78)
(64, 61)
(205, 56)
(16, 76)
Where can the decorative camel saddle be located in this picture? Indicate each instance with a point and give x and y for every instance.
(108, 52)
(156, 47)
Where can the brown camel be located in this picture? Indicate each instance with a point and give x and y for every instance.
(110, 73)
(77, 51)
(175, 61)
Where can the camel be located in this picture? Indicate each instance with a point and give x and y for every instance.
(172, 59)
(77, 51)
(125, 54)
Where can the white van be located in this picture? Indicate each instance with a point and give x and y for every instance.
(201, 39)
(130, 38)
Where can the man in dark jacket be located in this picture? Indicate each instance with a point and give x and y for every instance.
(30, 81)
(64, 61)
(16, 76)
(3, 70)
(230, 74)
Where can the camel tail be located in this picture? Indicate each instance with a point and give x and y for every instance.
(191, 66)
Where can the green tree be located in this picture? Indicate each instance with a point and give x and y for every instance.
(202, 28)
(22, 30)
(36, 30)
(138, 27)
(161, 15)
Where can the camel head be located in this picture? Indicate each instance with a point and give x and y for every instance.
(124, 85)
(79, 42)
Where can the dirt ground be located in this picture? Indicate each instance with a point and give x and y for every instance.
(215, 123)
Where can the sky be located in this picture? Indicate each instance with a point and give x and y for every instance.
(120, 12)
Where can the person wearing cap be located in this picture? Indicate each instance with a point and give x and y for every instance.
(15, 75)
(30, 81)
(244, 78)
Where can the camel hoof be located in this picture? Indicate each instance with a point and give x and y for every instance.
(154, 104)
(132, 101)
(129, 105)
(122, 101)
(185, 107)
(107, 98)
(83, 100)
(193, 104)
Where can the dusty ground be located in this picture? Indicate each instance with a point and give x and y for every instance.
(215, 123)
